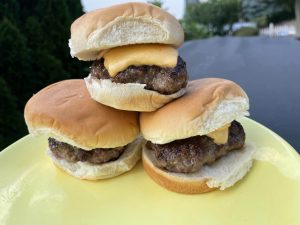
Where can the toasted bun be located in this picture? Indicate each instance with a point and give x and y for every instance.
(208, 105)
(65, 111)
(222, 174)
(124, 24)
(88, 171)
(129, 96)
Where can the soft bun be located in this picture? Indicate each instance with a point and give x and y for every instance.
(130, 96)
(88, 171)
(123, 24)
(222, 174)
(65, 111)
(208, 104)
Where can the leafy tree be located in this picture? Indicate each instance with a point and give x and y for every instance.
(268, 10)
(15, 62)
(47, 68)
(297, 12)
(75, 8)
(12, 125)
(9, 9)
(158, 3)
(34, 53)
(34, 33)
(193, 30)
(214, 14)
(28, 8)
(55, 18)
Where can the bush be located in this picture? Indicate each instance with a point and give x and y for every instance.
(246, 31)
(194, 30)
(261, 21)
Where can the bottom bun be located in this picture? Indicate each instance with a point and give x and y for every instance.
(222, 174)
(89, 171)
(130, 96)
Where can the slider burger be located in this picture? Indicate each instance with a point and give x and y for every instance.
(88, 140)
(133, 47)
(194, 143)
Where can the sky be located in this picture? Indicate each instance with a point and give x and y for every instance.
(175, 7)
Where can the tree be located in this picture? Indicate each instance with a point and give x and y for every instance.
(15, 61)
(193, 30)
(158, 3)
(34, 53)
(297, 12)
(47, 68)
(268, 10)
(55, 18)
(9, 9)
(214, 14)
(12, 125)
(75, 67)
(75, 8)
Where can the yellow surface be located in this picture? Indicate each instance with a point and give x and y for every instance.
(33, 191)
(119, 58)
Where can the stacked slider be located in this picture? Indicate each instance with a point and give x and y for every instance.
(133, 46)
(194, 143)
(136, 67)
(87, 140)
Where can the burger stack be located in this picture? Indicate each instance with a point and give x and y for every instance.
(192, 141)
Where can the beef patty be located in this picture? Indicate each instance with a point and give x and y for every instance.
(163, 80)
(73, 154)
(190, 154)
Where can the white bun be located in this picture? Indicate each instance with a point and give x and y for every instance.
(88, 171)
(208, 104)
(124, 24)
(128, 96)
(65, 111)
(222, 174)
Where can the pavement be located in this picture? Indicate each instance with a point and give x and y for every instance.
(267, 68)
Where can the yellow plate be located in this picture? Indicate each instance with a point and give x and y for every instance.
(33, 191)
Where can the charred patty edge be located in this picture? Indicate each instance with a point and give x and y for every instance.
(74, 154)
(190, 154)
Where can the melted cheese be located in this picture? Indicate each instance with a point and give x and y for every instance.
(220, 135)
(119, 58)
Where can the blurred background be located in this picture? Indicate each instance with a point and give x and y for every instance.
(34, 37)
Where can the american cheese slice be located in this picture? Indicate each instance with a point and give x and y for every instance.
(220, 135)
(119, 58)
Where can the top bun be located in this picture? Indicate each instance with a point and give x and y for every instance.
(123, 24)
(65, 111)
(209, 104)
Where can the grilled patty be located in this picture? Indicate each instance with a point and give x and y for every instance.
(163, 80)
(73, 154)
(190, 154)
